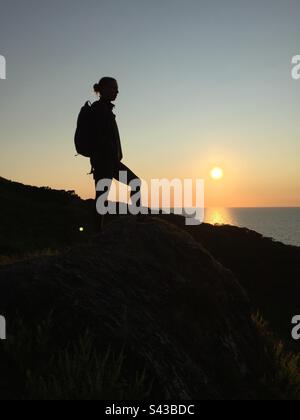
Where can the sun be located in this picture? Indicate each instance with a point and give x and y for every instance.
(217, 173)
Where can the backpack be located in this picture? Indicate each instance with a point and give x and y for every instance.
(84, 135)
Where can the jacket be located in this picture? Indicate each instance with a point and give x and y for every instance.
(107, 152)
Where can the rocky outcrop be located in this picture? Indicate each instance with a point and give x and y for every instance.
(150, 285)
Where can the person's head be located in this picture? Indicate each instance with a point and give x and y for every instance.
(107, 88)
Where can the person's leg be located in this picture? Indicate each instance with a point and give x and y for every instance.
(102, 193)
(130, 176)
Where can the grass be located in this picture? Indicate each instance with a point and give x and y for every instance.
(282, 377)
(79, 370)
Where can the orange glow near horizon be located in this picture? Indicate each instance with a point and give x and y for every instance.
(240, 186)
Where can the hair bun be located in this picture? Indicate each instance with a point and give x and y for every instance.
(96, 87)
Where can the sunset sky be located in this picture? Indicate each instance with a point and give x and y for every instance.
(203, 84)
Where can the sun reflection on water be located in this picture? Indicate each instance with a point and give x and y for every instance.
(218, 216)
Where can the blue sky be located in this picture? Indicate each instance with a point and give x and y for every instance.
(202, 83)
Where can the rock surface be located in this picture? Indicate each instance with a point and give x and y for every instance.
(150, 285)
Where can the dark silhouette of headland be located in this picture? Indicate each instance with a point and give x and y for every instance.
(168, 312)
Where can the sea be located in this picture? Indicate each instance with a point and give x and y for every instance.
(281, 224)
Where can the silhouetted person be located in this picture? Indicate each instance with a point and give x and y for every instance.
(107, 156)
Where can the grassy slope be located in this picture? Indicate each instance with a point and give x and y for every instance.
(41, 221)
